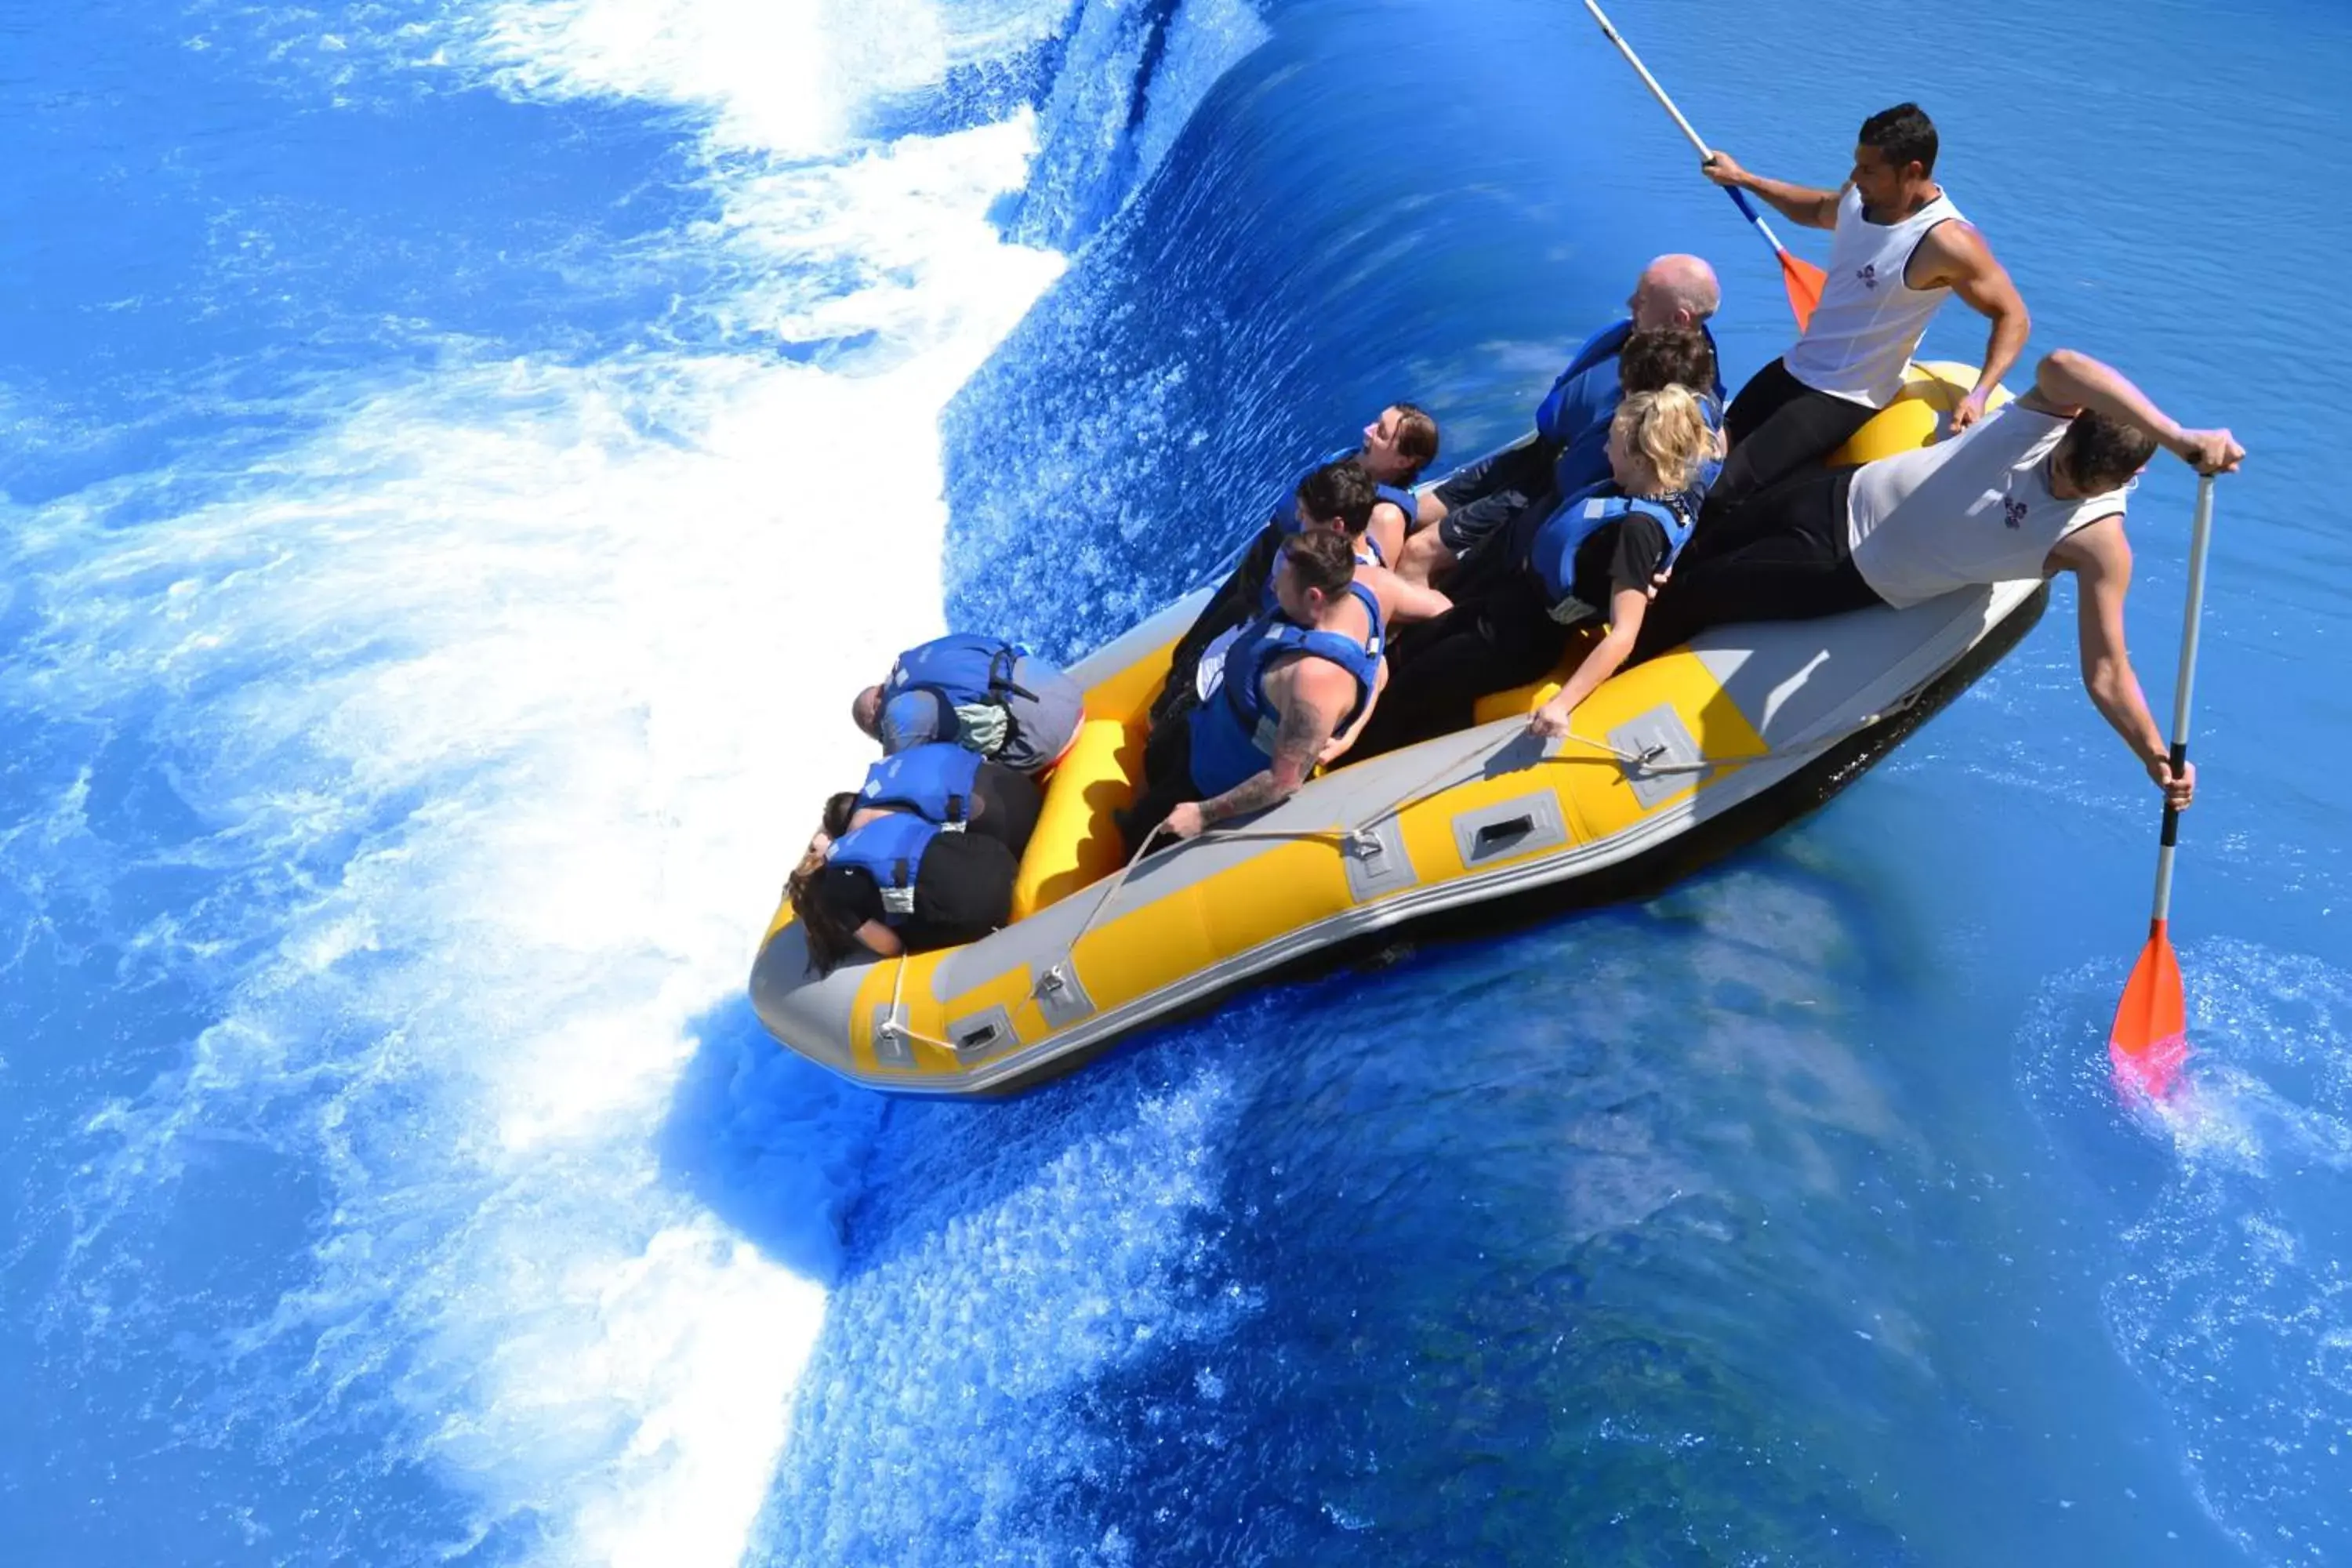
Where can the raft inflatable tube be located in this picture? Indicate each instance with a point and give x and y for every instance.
(1674, 764)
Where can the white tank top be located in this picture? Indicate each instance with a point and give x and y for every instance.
(1976, 509)
(1869, 321)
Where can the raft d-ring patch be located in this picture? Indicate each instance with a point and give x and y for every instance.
(1376, 862)
(1061, 996)
(1658, 737)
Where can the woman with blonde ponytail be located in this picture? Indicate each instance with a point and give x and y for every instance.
(1604, 555)
(1596, 555)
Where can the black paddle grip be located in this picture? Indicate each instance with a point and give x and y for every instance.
(2180, 760)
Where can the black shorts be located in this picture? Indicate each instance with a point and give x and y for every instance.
(963, 891)
(1486, 498)
(1781, 557)
(1777, 426)
(1009, 802)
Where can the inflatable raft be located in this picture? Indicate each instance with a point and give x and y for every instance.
(1673, 764)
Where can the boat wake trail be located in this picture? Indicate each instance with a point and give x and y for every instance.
(2230, 1298)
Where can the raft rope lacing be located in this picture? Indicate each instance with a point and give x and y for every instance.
(1362, 837)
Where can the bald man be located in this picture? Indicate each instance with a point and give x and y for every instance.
(1570, 449)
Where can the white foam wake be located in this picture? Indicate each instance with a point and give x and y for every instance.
(508, 696)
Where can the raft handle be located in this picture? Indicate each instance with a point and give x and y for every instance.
(1493, 833)
(1508, 828)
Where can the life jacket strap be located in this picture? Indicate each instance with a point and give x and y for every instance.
(898, 898)
(1000, 674)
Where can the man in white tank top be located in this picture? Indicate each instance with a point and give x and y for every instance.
(2032, 490)
(1901, 250)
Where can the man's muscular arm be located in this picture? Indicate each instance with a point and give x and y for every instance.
(1403, 600)
(2067, 381)
(1308, 714)
(1954, 255)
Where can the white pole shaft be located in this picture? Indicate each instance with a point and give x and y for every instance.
(1610, 28)
(2201, 539)
(2163, 885)
(1651, 82)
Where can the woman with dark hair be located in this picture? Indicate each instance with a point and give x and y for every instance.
(924, 857)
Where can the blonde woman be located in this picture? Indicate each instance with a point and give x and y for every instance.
(1598, 554)
(1594, 555)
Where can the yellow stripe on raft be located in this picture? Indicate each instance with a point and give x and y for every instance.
(1075, 843)
(1127, 692)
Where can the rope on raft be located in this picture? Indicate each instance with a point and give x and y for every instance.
(1362, 837)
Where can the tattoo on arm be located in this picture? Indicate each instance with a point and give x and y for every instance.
(1297, 742)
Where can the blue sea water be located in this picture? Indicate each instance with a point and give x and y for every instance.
(459, 454)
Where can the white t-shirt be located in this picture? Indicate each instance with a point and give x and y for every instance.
(1975, 508)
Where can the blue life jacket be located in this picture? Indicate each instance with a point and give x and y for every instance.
(1605, 345)
(963, 670)
(1553, 557)
(890, 849)
(1602, 345)
(934, 781)
(1233, 731)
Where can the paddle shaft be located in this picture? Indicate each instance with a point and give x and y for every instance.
(1738, 197)
(2184, 686)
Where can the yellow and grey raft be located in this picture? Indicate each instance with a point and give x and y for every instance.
(1673, 764)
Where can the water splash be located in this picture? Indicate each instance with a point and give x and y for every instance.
(453, 749)
(2231, 1299)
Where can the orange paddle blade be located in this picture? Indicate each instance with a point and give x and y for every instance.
(1804, 281)
(2150, 1037)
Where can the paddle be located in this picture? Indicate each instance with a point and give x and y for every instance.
(2151, 1036)
(1802, 279)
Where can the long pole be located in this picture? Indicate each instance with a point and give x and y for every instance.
(2151, 1036)
(2184, 686)
(1802, 279)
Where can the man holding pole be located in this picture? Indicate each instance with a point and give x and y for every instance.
(2063, 488)
(1900, 249)
(2033, 490)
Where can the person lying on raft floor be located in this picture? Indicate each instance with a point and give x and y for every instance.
(1570, 451)
(2033, 490)
(1597, 554)
(1899, 249)
(980, 693)
(1396, 447)
(1292, 692)
(923, 856)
